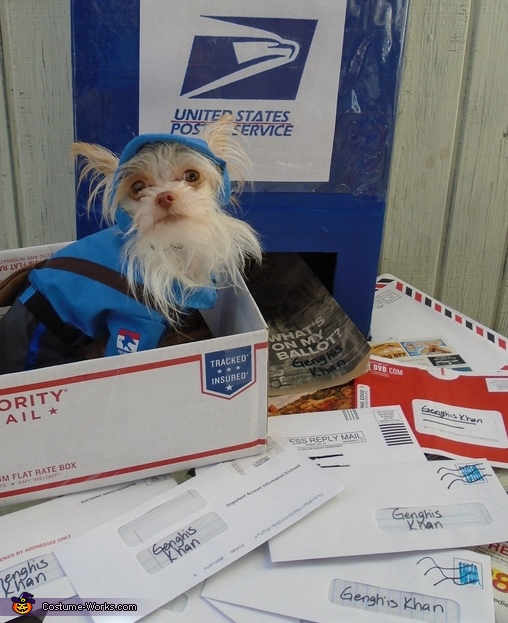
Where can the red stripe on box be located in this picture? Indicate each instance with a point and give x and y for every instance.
(104, 374)
(94, 376)
(136, 468)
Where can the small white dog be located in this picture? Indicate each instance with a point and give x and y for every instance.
(170, 244)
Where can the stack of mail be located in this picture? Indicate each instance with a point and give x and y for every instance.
(389, 547)
(342, 519)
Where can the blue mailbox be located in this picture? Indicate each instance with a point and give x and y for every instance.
(313, 88)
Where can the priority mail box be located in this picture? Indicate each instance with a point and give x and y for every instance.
(108, 420)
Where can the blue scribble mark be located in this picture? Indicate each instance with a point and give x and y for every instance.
(470, 473)
(465, 574)
(468, 573)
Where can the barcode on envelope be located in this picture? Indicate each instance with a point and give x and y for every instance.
(350, 415)
(395, 434)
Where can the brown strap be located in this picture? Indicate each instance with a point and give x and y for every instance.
(97, 272)
(12, 285)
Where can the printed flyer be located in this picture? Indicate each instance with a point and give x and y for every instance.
(313, 344)
(431, 351)
(498, 553)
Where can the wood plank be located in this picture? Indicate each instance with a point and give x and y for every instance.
(8, 230)
(36, 46)
(474, 262)
(423, 153)
(501, 319)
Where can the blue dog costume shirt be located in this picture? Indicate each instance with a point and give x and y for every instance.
(82, 288)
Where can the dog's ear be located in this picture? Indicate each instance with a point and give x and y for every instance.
(94, 158)
(225, 142)
(218, 134)
(100, 165)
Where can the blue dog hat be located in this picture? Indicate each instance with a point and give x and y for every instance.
(197, 144)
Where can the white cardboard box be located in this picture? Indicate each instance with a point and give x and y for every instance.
(99, 422)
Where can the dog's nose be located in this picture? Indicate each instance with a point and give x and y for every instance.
(165, 199)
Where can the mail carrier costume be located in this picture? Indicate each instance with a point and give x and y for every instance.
(81, 293)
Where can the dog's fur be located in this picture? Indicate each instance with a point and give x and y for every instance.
(180, 232)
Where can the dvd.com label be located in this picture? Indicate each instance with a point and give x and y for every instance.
(228, 372)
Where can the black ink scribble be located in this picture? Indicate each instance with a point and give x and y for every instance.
(466, 474)
(328, 457)
(443, 423)
(466, 572)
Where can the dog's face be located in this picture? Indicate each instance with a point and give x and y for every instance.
(179, 230)
(168, 188)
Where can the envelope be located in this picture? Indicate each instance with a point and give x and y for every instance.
(448, 586)
(189, 607)
(347, 437)
(29, 537)
(401, 314)
(451, 414)
(163, 547)
(402, 507)
(240, 614)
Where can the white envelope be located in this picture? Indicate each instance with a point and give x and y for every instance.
(402, 507)
(350, 437)
(448, 586)
(189, 607)
(403, 313)
(240, 614)
(29, 536)
(163, 547)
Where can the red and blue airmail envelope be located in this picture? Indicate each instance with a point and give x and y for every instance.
(412, 327)
(448, 586)
(452, 414)
(400, 507)
(162, 548)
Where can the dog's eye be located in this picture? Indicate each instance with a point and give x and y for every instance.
(137, 187)
(191, 176)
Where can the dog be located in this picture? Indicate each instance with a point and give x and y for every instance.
(171, 241)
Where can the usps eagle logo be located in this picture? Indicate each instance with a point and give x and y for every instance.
(248, 58)
(228, 372)
(127, 341)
